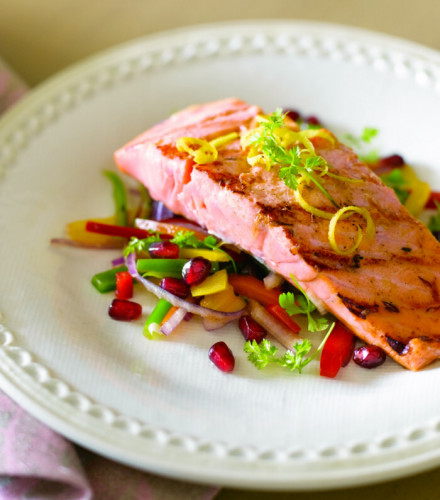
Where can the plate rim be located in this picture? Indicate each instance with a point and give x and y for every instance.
(18, 371)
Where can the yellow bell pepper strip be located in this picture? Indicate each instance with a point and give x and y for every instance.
(76, 231)
(215, 283)
(253, 288)
(212, 255)
(225, 301)
(419, 191)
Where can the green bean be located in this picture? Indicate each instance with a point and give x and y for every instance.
(119, 197)
(106, 281)
(152, 326)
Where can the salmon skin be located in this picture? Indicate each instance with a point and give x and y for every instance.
(387, 292)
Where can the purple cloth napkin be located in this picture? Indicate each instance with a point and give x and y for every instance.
(38, 464)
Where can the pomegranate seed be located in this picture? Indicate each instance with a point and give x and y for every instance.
(392, 161)
(175, 286)
(163, 250)
(196, 270)
(251, 330)
(124, 310)
(222, 357)
(369, 356)
(292, 114)
(312, 120)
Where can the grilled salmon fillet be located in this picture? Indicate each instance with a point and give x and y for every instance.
(387, 292)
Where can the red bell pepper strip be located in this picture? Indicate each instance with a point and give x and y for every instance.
(253, 288)
(433, 197)
(278, 312)
(337, 351)
(121, 231)
(124, 285)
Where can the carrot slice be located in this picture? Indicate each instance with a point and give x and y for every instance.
(168, 315)
(279, 313)
(253, 288)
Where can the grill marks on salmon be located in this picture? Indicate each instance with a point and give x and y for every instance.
(387, 293)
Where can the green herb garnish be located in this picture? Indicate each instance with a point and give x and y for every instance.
(294, 360)
(136, 245)
(434, 220)
(301, 305)
(188, 239)
(359, 143)
(395, 180)
(293, 163)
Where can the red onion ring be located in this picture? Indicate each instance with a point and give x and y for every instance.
(66, 242)
(130, 261)
(173, 322)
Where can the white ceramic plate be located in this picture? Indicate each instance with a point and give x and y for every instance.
(163, 406)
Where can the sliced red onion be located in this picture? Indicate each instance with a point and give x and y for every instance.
(152, 225)
(160, 211)
(277, 329)
(273, 280)
(77, 244)
(118, 262)
(172, 323)
(176, 301)
(214, 324)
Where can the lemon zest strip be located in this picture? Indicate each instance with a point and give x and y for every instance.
(343, 213)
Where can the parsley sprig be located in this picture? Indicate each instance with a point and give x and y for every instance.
(301, 304)
(188, 239)
(395, 180)
(294, 360)
(434, 220)
(294, 164)
(136, 245)
(360, 143)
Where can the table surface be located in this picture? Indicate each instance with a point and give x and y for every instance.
(40, 38)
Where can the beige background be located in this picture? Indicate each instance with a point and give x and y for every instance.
(39, 38)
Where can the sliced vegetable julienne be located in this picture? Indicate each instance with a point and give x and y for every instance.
(165, 228)
(106, 281)
(114, 230)
(336, 351)
(419, 191)
(172, 321)
(161, 268)
(253, 288)
(215, 283)
(176, 301)
(119, 197)
(152, 325)
(273, 280)
(225, 301)
(77, 232)
(212, 255)
(275, 327)
(281, 314)
(434, 197)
